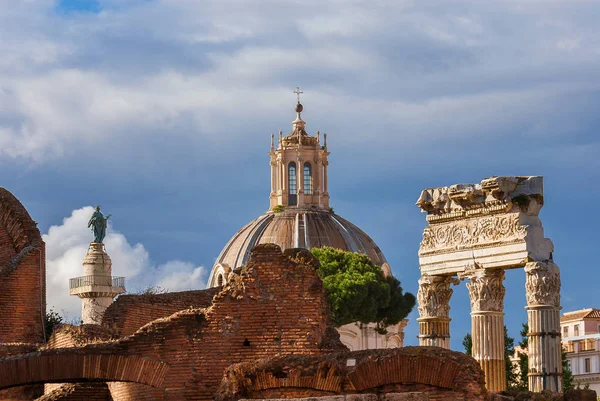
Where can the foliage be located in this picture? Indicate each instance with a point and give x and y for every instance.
(468, 344)
(567, 379)
(51, 320)
(357, 290)
(509, 350)
(278, 209)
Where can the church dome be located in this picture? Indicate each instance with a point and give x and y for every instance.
(296, 228)
(299, 214)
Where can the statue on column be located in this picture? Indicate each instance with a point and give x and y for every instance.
(98, 223)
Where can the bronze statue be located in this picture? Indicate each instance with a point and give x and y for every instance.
(98, 225)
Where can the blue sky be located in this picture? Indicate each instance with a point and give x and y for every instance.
(161, 112)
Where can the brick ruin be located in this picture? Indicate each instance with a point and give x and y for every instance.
(266, 334)
(177, 346)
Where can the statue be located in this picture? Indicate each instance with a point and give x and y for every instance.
(98, 224)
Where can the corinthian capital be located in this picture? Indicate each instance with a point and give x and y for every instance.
(486, 290)
(434, 295)
(542, 285)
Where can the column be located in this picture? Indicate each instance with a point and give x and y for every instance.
(487, 324)
(325, 183)
(273, 172)
(300, 180)
(542, 289)
(433, 303)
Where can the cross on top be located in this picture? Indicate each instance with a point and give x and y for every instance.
(298, 92)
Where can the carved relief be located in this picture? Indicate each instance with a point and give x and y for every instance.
(486, 290)
(434, 295)
(542, 285)
(473, 232)
(489, 193)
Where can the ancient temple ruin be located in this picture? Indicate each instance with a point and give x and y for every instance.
(475, 232)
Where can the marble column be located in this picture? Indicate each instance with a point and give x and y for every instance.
(273, 178)
(433, 304)
(542, 289)
(300, 180)
(486, 292)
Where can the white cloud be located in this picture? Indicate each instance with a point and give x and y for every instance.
(67, 243)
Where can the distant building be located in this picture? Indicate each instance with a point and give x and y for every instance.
(580, 332)
(300, 217)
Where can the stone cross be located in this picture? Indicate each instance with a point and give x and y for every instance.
(298, 92)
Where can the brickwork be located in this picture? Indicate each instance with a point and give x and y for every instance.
(440, 374)
(130, 312)
(79, 392)
(22, 274)
(25, 392)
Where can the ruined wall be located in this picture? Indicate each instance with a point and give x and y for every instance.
(435, 373)
(25, 392)
(129, 312)
(276, 305)
(22, 283)
(22, 274)
(79, 392)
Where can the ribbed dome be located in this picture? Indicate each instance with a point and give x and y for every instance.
(296, 228)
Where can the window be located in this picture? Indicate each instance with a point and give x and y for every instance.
(307, 178)
(588, 365)
(219, 280)
(566, 331)
(576, 327)
(292, 184)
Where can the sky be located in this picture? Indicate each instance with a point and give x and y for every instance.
(161, 112)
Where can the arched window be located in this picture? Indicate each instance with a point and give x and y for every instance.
(307, 178)
(219, 280)
(293, 200)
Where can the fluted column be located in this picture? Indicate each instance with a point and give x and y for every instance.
(542, 289)
(273, 180)
(486, 292)
(433, 304)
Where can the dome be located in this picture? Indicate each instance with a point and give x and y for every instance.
(295, 228)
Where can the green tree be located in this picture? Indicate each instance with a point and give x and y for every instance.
(567, 379)
(357, 290)
(51, 321)
(468, 344)
(509, 349)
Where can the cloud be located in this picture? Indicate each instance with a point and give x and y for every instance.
(213, 72)
(67, 244)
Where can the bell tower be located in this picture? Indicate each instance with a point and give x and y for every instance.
(299, 167)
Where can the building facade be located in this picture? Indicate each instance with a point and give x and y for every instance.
(300, 216)
(580, 332)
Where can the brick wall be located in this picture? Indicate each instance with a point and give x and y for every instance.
(25, 392)
(130, 312)
(276, 305)
(79, 392)
(22, 274)
(438, 373)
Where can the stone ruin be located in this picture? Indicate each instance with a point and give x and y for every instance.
(475, 232)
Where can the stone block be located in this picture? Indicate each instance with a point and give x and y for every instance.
(412, 396)
(361, 397)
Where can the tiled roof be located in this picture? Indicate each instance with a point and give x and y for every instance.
(590, 313)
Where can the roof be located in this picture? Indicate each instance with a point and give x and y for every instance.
(589, 313)
(299, 228)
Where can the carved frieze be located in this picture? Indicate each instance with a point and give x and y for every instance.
(542, 285)
(469, 233)
(434, 295)
(486, 290)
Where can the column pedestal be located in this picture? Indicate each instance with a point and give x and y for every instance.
(543, 315)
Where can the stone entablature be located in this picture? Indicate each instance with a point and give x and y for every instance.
(494, 223)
